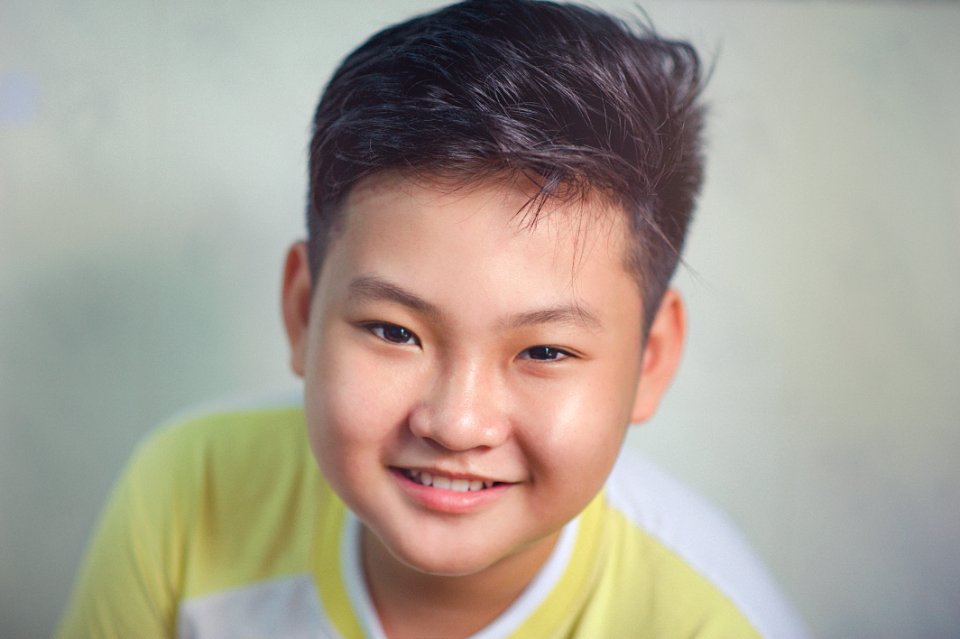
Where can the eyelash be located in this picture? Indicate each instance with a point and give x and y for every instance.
(558, 354)
(382, 329)
(379, 329)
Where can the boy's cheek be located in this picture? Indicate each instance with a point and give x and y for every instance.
(592, 403)
(355, 397)
(578, 430)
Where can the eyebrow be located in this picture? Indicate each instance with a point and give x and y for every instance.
(371, 287)
(374, 288)
(568, 315)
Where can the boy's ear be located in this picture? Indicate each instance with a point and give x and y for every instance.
(661, 355)
(295, 303)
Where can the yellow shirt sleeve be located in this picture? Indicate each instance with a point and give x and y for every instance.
(129, 583)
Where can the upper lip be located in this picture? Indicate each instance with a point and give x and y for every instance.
(451, 474)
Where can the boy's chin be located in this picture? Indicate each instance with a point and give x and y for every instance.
(437, 567)
(455, 559)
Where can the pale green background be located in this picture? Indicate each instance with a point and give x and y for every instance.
(152, 173)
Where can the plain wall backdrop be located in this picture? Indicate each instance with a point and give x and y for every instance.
(152, 163)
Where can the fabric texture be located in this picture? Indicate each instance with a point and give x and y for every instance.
(222, 526)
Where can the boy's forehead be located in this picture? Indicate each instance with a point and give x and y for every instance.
(416, 221)
(576, 216)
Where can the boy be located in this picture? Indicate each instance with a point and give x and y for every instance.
(498, 195)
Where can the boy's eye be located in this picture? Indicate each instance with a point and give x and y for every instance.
(545, 353)
(393, 333)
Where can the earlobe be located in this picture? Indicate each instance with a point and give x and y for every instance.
(295, 303)
(661, 355)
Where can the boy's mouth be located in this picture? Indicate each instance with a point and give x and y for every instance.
(443, 482)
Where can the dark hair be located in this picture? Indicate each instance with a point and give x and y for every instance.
(567, 96)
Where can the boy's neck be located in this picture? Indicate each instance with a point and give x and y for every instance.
(413, 604)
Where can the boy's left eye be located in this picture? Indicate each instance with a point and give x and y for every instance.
(545, 353)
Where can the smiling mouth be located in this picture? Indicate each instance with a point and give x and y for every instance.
(457, 485)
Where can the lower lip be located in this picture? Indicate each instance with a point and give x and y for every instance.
(448, 501)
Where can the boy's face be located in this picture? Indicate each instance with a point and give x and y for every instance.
(446, 339)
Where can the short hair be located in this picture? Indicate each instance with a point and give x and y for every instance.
(569, 97)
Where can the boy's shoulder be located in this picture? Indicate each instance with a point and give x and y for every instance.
(229, 432)
(217, 459)
(214, 501)
(240, 479)
(695, 543)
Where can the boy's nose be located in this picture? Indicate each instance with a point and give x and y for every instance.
(462, 411)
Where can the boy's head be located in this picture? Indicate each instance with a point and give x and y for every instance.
(569, 99)
(488, 185)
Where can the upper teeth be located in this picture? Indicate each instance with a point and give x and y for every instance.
(446, 483)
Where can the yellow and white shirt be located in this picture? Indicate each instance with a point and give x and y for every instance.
(222, 526)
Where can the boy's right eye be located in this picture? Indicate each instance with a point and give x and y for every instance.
(393, 333)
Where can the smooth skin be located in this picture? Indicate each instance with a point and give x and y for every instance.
(447, 335)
